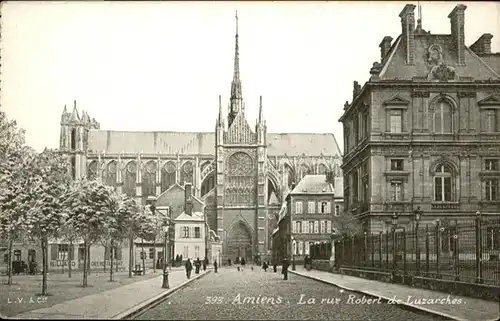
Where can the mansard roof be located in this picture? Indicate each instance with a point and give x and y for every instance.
(395, 67)
(313, 184)
(191, 143)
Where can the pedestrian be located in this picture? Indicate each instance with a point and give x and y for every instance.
(197, 265)
(243, 262)
(265, 266)
(285, 268)
(189, 268)
(205, 263)
(215, 266)
(229, 262)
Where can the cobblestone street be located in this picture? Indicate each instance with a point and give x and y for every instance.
(256, 295)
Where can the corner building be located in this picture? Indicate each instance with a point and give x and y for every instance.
(241, 174)
(424, 131)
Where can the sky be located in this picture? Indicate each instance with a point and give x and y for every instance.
(160, 66)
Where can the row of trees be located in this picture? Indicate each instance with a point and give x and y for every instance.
(39, 202)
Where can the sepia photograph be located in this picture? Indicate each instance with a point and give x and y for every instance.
(240, 160)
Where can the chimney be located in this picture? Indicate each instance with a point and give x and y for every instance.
(457, 19)
(188, 199)
(385, 46)
(408, 32)
(356, 89)
(482, 45)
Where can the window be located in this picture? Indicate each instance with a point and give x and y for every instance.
(197, 233)
(491, 189)
(185, 252)
(304, 226)
(185, 232)
(365, 124)
(491, 164)
(396, 164)
(328, 227)
(196, 251)
(73, 139)
(323, 207)
(491, 121)
(355, 187)
(442, 118)
(311, 207)
(311, 226)
(396, 121)
(294, 227)
(306, 247)
(299, 227)
(493, 238)
(62, 251)
(397, 191)
(442, 184)
(151, 253)
(17, 255)
(298, 207)
(337, 210)
(301, 248)
(316, 228)
(355, 126)
(32, 255)
(322, 227)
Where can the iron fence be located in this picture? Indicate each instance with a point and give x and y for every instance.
(467, 251)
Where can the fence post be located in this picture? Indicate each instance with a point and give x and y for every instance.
(427, 249)
(455, 256)
(404, 252)
(380, 248)
(365, 243)
(417, 250)
(343, 251)
(387, 250)
(438, 247)
(479, 250)
(394, 254)
(372, 249)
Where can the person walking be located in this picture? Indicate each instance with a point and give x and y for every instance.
(197, 265)
(275, 267)
(286, 264)
(242, 263)
(265, 266)
(189, 268)
(215, 266)
(205, 263)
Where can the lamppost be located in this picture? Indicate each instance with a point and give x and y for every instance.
(293, 253)
(418, 214)
(152, 201)
(394, 224)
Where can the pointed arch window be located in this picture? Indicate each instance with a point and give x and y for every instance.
(322, 169)
(110, 178)
(149, 179)
(73, 139)
(187, 173)
(92, 171)
(442, 117)
(443, 183)
(168, 174)
(129, 182)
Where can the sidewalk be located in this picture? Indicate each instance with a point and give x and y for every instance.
(470, 308)
(113, 303)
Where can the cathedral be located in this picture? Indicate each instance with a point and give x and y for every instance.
(241, 174)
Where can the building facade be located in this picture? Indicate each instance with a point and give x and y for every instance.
(240, 173)
(424, 131)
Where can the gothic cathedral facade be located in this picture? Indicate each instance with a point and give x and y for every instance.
(242, 175)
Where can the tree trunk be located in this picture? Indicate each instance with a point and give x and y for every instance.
(143, 259)
(154, 255)
(70, 258)
(85, 257)
(9, 260)
(88, 258)
(63, 261)
(105, 252)
(45, 265)
(130, 255)
(111, 250)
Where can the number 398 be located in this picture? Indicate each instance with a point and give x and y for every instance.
(214, 300)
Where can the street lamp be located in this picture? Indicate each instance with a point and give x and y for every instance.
(152, 201)
(394, 224)
(293, 253)
(418, 214)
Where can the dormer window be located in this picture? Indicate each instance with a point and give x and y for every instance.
(491, 165)
(396, 164)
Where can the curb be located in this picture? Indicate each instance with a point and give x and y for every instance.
(150, 303)
(384, 298)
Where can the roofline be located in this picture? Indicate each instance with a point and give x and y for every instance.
(316, 193)
(389, 59)
(189, 132)
(482, 61)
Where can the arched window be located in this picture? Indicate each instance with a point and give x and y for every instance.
(168, 176)
(73, 166)
(187, 173)
(73, 138)
(305, 170)
(443, 183)
(443, 122)
(92, 171)
(322, 169)
(110, 178)
(149, 179)
(129, 182)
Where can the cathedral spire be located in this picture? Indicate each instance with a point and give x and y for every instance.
(261, 116)
(236, 100)
(220, 120)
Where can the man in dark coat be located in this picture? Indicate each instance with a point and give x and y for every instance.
(189, 268)
(197, 265)
(215, 266)
(286, 264)
(265, 266)
(205, 263)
